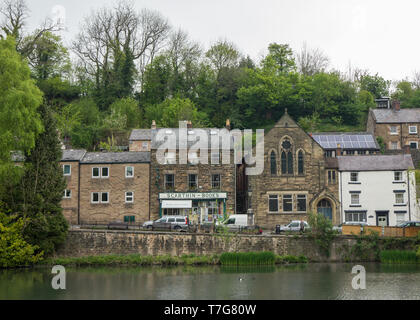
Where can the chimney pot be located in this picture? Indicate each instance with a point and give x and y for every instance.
(189, 124)
(153, 124)
(228, 124)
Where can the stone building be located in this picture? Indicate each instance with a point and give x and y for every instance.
(397, 127)
(104, 187)
(297, 178)
(140, 140)
(70, 162)
(201, 191)
(114, 186)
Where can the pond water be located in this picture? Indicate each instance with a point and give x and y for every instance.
(312, 281)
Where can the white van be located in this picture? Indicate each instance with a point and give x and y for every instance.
(235, 222)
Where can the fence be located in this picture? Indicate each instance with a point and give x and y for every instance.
(382, 231)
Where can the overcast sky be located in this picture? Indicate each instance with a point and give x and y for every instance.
(378, 35)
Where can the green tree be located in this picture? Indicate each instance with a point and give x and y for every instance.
(129, 108)
(376, 85)
(41, 189)
(19, 100)
(14, 250)
(171, 111)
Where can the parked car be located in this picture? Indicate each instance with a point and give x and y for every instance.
(294, 226)
(406, 224)
(234, 222)
(339, 228)
(177, 223)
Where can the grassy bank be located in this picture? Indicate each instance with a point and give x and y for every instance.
(245, 258)
(398, 256)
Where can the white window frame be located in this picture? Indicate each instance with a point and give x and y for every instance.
(99, 197)
(277, 199)
(391, 145)
(392, 132)
(357, 176)
(412, 132)
(107, 193)
(126, 168)
(356, 199)
(395, 175)
(127, 196)
(65, 194)
(67, 174)
(396, 198)
(99, 173)
(102, 175)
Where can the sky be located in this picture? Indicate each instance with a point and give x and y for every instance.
(378, 35)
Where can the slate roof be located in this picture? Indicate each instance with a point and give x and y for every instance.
(392, 116)
(141, 134)
(347, 140)
(212, 134)
(73, 155)
(116, 157)
(375, 162)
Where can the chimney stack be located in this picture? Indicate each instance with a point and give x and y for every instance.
(338, 150)
(189, 125)
(228, 124)
(407, 149)
(396, 105)
(153, 124)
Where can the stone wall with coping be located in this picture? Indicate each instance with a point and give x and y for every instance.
(82, 243)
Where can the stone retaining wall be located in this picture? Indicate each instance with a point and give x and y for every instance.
(93, 242)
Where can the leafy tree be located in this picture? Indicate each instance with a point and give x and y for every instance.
(223, 54)
(19, 100)
(41, 189)
(129, 108)
(280, 57)
(171, 111)
(376, 85)
(14, 250)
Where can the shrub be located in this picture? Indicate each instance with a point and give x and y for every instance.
(14, 250)
(321, 231)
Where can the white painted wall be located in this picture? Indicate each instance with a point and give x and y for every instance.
(377, 194)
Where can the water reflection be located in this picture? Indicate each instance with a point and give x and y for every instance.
(312, 281)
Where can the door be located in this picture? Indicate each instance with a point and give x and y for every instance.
(324, 208)
(382, 219)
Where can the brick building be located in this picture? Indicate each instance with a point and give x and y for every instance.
(297, 178)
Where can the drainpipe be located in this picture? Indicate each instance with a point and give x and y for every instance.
(78, 195)
(341, 202)
(409, 202)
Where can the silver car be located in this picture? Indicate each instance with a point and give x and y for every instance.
(168, 222)
(294, 226)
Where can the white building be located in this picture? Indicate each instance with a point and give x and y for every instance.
(377, 189)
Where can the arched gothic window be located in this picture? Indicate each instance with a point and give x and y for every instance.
(273, 165)
(290, 162)
(300, 162)
(283, 163)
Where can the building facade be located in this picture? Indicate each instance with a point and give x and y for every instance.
(105, 187)
(395, 126)
(378, 189)
(297, 178)
(70, 162)
(201, 191)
